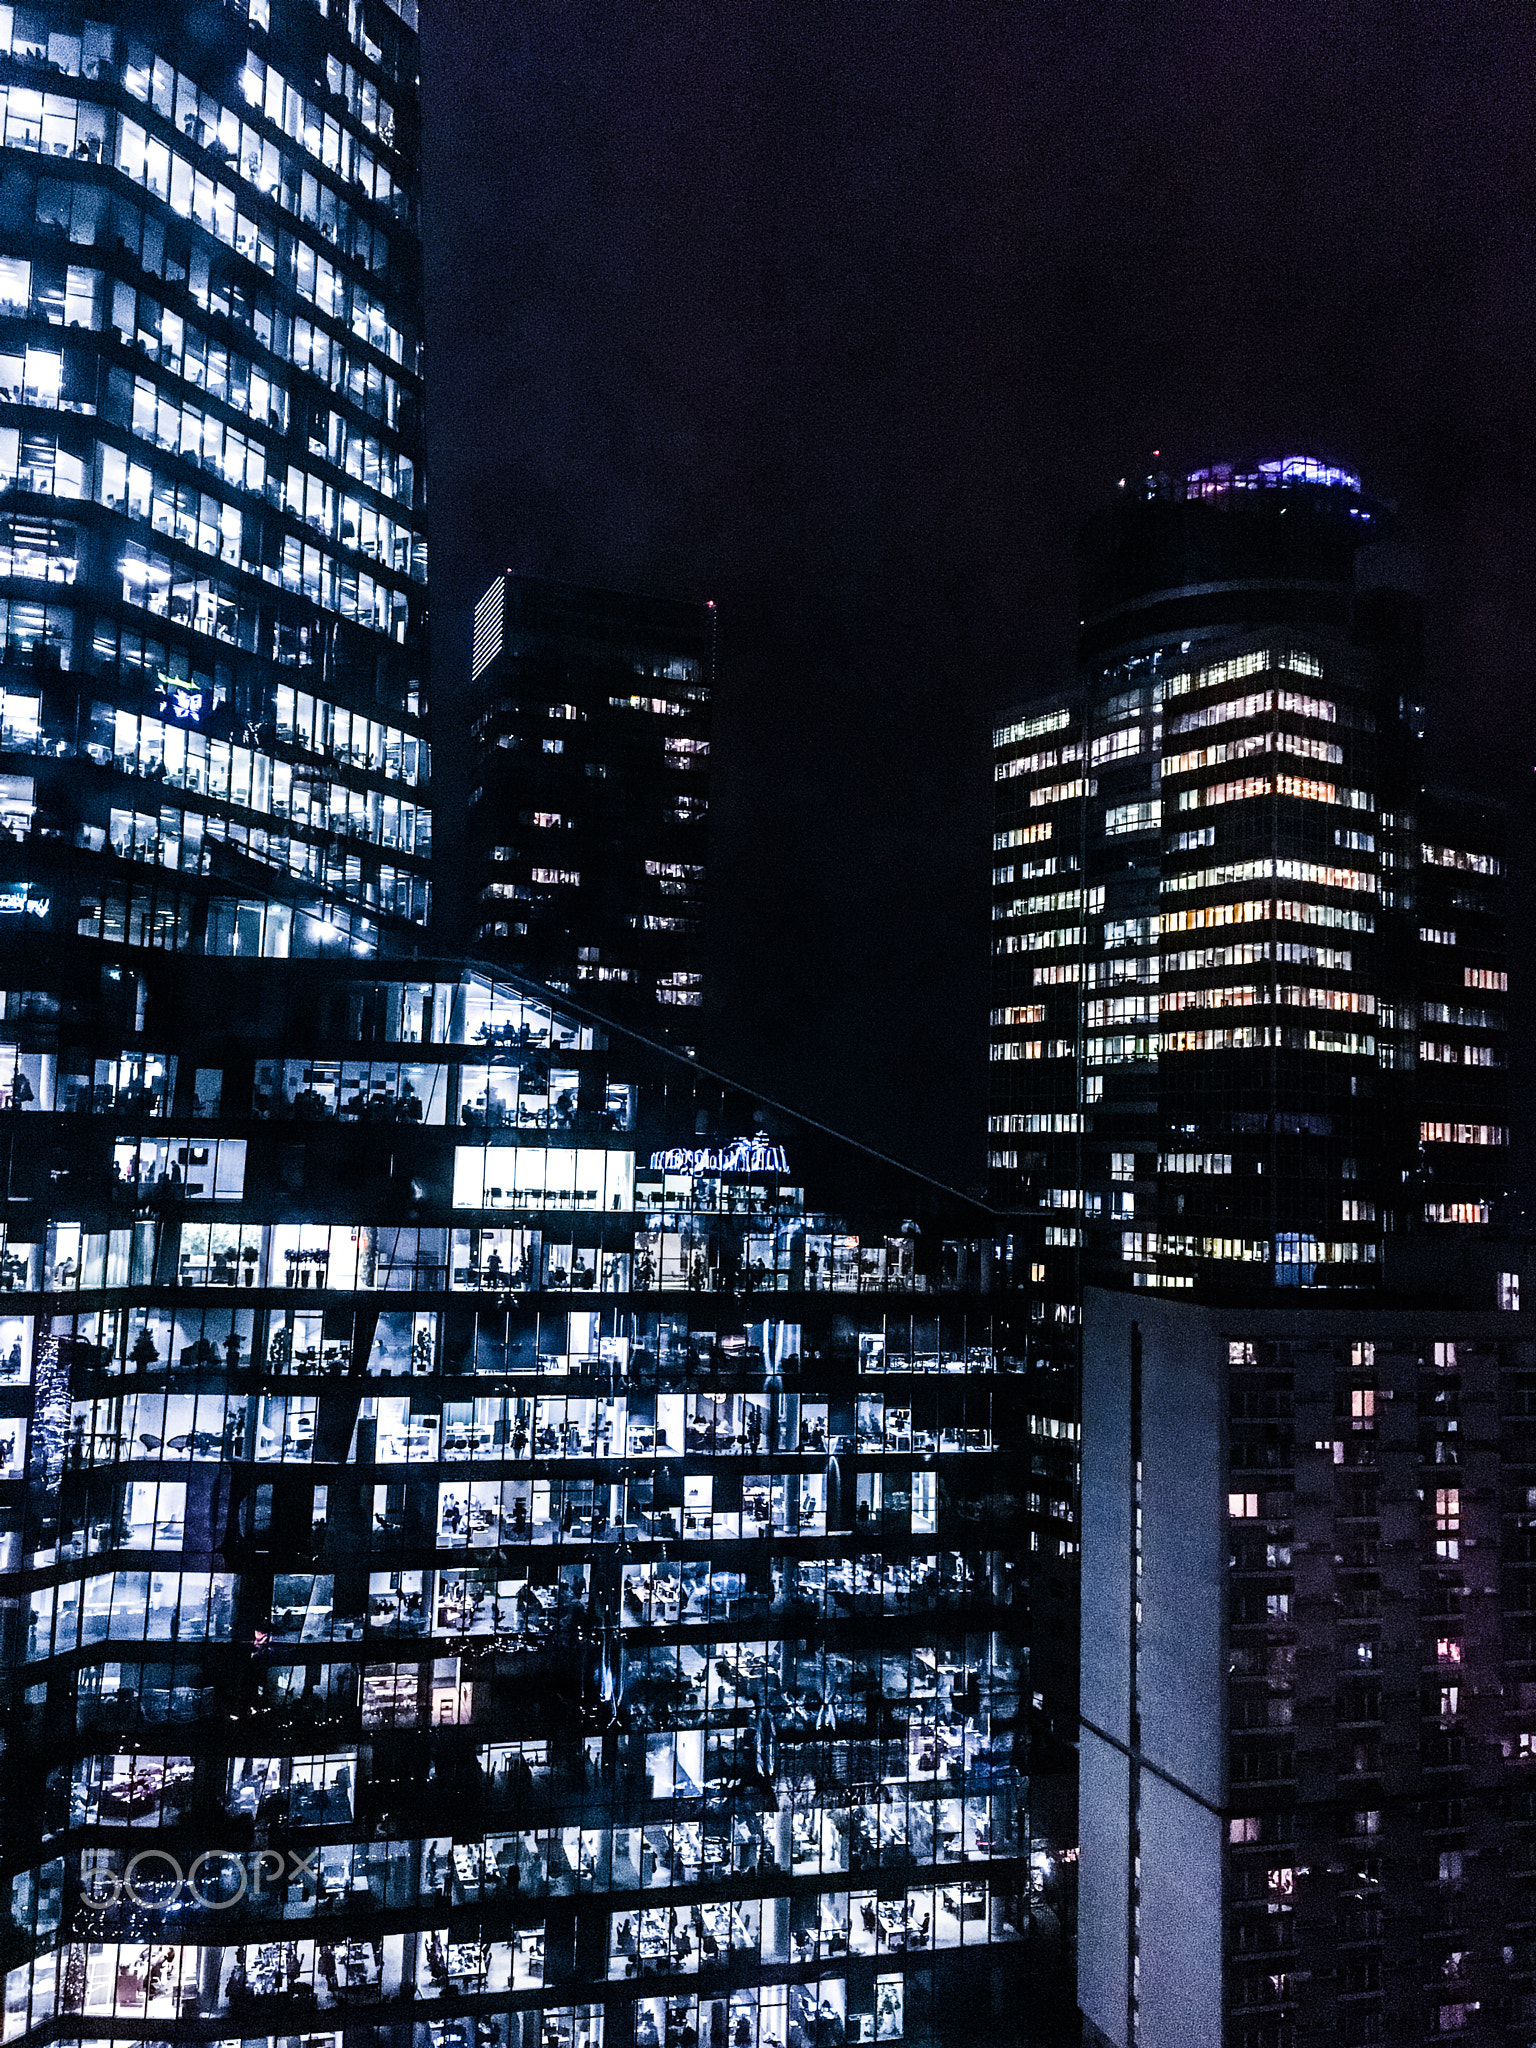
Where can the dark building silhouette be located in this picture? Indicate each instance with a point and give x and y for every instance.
(588, 816)
(212, 543)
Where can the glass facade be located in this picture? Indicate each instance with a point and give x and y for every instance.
(212, 508)
(500, 1545)
(1218, 1040)
(1451, 884)
(1248, 969)
(589, 815)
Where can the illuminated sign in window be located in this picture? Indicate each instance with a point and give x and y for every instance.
(742, 1155)
(182, 700)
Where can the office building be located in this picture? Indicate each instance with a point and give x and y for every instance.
(1308, 1758)
(1248, 969)
(505, 1539)
(588, 814)
(212, 544)
(1452, 923)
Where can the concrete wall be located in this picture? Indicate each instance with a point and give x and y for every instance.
(1176, 1779)
(1181, 1929)
(1103, 1885)
(1104, 1801)
(1106, 1518)
(1182, 1666)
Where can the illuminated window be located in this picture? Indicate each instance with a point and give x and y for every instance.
(1021, 835)
(1125, 818)
(1243, 1507)
(1020, 1013)
(1362, 1408)
(1031, 728)
(1447, 1521)
(1246, 1830)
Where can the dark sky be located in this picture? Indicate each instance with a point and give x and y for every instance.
(845, 314)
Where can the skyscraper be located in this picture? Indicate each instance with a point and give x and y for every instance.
(588, 815)
(502, 1540)
(213, 553)
(1309, 1672)
(1240, 1041)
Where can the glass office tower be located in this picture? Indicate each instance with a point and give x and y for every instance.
(1248, 969)
(589, 811)
(212, 525)
(503, 1542)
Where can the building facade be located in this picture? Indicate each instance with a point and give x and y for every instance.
(1241, 1040)
(500, 1543)
(588, 816)
(1308, 1806)
(212, 542)
(1453, 925)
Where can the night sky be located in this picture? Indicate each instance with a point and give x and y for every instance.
(845, 315)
